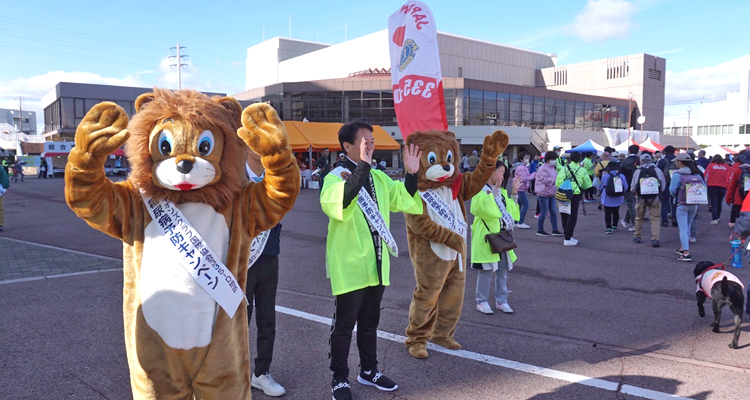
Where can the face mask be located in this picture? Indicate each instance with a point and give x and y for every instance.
(525, 160)
(553, 163)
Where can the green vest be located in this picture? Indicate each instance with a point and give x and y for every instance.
(485, 210)
(350, 255)
(582, 177)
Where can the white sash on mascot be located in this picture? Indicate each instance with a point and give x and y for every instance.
(259, 242)
(452, 220)
(195, 256)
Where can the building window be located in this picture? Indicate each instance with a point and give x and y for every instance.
(745, 129)
(654, 74)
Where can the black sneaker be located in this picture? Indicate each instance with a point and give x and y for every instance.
(542, 233)
(378, 380)
(655, 243)
(341, 389)
(557, 233)
(664, 223)
(685, 257)
(637, 240)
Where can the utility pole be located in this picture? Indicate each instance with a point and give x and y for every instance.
(20, 117)
(630, 100)
(687, 135)
(178, 64)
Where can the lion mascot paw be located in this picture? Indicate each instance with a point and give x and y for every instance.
(186, 216)
(437, 237)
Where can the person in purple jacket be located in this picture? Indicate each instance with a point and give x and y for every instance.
(613, 198)
(523, 177)
(545, 191)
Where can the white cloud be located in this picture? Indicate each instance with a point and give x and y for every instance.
(603, 19)
(708, 82)
(33, 88)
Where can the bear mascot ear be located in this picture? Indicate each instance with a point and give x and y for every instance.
(142, 100)
(450, 134)
(231, 104)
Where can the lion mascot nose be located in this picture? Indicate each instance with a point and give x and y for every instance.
(184, 166)
(447, 167)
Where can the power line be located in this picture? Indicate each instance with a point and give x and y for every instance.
(97, 38)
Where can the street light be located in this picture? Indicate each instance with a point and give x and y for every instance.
(687, 139)
(641, 121)
(630, 99)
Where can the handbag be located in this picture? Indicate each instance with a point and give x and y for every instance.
(565, 192)
(500, 242)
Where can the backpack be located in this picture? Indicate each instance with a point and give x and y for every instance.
(668, 170)
(648, 185)
(743, 185)
(628, 167)
(692, 190)
(614, 185)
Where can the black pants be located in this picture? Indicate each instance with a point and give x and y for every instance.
(715, 199)
(569, 221)
(363, 307)
(262, 280)
(735, 212)
(611, 216)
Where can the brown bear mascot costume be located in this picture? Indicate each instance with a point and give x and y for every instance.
(186, 216)
(437, 237)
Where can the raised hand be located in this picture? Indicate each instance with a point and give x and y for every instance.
(495, 145)
(102, 131)
(365, 151)
(262, 130)
(412, 156)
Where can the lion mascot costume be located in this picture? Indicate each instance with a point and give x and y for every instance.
(437, 237)
(186, 216)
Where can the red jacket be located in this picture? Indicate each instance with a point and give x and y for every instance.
(733, 187)
(718, 175)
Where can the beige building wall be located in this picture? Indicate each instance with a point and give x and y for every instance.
(641, 74)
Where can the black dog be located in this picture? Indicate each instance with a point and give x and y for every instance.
(723, 288)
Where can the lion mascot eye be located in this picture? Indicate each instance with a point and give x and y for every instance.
(165, 142)
(205, 143)
(431, 158)
(449, 157)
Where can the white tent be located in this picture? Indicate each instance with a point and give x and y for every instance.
(623, 147)
(716, 149)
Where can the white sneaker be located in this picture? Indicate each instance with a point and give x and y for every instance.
(485, 308)
(715, 222)
(624, 224)
(505, 307)
(523, 226)
(267, 384)
(693, 240)
(569, 243)
(631, 229)
(574, 240)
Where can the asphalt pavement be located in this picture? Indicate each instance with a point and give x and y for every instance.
(607, 319)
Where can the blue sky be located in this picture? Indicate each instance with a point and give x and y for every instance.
(706, 44)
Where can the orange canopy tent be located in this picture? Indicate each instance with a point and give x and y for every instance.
(296, 140)
(321, 135)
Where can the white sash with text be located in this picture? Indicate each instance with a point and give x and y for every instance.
(372, 213)
(257, 246)
(442, 209)
(195, 255)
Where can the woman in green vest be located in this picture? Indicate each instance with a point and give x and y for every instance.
(493, 210)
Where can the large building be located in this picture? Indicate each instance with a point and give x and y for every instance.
(67, 103)
(724, 123)
(485, 84)
(17, 128)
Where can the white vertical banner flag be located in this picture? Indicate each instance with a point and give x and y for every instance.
(415, 69)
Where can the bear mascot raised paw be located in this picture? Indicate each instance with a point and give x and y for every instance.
(186, 217)
(437, 237)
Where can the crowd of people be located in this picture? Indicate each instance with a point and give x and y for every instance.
(666, 188)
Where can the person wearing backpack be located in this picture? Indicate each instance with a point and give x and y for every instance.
(613, 186)
(687, 186)
(667, 166)
(647, 184)
(627, 168)
(579, 181)
(735, 196)
(717, 175)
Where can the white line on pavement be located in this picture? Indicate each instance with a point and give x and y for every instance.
(500, 362)
(38, 278)
(62, 249)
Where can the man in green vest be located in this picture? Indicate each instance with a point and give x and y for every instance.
(358, 201)
(5, 164)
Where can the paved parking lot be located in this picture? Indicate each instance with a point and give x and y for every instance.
(606, 319)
